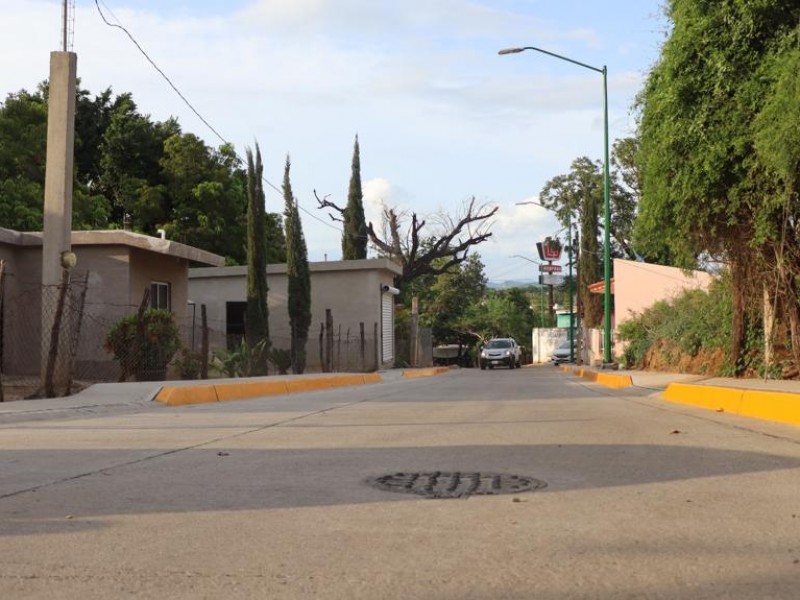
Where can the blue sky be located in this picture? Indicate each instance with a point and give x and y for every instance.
(440, 116)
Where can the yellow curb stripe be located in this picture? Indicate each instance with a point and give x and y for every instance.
(780, 407)
(250, 389)
(429, 372)
(709, 397)
(612, 380)
(193, 394)
(771, 406)
(181, 395)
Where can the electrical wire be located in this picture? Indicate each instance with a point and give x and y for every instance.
(189, 104)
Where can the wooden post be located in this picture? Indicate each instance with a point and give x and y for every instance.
(203, 342)
(329, 340)
(339, 350)
(52, 354)
(362, 347)
(414, 341)
(77, 334)
(322, 347)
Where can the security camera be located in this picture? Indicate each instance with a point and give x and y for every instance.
(387, 289)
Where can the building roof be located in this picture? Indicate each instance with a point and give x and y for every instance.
(118, 237)
(315, 267)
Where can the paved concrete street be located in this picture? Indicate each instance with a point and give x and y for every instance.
(268, 498)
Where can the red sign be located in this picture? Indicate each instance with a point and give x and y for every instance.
(550, 268)
(549, 250)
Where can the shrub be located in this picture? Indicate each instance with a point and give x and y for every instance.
(144, 356)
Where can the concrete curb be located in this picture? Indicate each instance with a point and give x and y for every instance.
(611, 380)
(781, 407)
(427, 372)
(222, 392)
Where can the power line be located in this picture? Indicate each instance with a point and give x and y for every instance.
(189, 104)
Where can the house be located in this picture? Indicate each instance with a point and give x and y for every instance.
(358, 294)
(116, 266)
(635, 287)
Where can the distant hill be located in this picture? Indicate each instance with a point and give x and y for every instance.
(512, 283)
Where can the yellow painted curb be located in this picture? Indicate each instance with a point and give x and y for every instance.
(429, 372)
(780, 407)
(712, 398)
(607, 379)
(180, 395)
(250, 389)
(193, 394)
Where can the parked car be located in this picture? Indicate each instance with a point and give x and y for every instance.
(500, 352)
(561, 353)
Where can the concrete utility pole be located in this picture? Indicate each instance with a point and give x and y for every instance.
(56, 242)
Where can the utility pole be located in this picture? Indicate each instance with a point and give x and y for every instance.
(57, 231)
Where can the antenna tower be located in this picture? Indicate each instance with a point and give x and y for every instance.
(67, 25)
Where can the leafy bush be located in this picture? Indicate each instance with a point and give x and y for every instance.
(282, 359)
(188, 364)
(694, 324)
(144, 356)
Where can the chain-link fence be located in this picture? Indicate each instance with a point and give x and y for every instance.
(55, 340)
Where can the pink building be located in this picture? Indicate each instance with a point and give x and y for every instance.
(637, 286)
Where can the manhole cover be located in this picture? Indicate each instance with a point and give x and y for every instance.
(439, 484)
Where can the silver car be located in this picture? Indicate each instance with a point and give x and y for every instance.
(500, 352)
(561, 353)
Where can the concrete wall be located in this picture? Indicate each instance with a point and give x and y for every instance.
(638, 286)
(351, 289)
(118, 274)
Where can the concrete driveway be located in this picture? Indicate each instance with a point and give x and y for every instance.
(270, 498)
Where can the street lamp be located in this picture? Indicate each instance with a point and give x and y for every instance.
(606, 200)
(571, 283)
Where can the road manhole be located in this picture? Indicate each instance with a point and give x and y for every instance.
(440, 484)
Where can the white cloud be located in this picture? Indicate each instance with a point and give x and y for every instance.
(440, 116)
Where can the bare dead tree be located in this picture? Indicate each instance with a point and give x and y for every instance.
(419, 254)
(448, 244)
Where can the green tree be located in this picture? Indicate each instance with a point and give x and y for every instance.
(256, 323)
(445, 303)
(710, 186)
(299, 278)
(354, 236)
(580, 193)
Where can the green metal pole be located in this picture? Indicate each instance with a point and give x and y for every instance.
(607, 232)
(606, 194)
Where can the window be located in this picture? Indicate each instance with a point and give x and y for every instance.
(160, 296)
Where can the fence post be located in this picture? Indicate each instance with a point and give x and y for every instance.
(77, 335)
(362, 347)
(322, 347)
(414, 341)
(52, 354)
(203, 342)
(329, 339)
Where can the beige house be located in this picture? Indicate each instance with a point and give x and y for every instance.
(358, 293)
(119, 265)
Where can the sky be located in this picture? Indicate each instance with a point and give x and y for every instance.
(439, 115)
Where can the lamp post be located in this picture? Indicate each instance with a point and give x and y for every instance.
(606, 194)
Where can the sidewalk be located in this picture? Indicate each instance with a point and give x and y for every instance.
(769, 400)
(128, 396)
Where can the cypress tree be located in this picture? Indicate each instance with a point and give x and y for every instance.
(299, 284)
(354, 236)
(256, 324)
